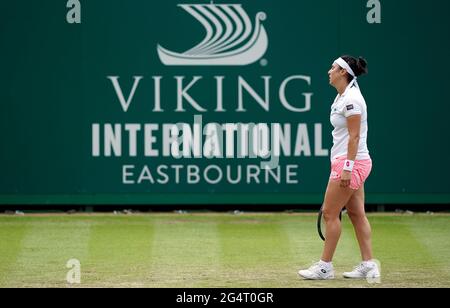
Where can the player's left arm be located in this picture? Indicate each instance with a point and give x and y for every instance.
(354, 127)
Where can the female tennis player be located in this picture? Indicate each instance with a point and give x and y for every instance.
(350, 166)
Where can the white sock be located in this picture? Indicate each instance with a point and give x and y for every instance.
(369, 263)
(327, 265)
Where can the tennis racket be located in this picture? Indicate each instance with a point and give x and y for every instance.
(321, 229)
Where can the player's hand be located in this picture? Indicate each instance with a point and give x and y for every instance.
(346, 176)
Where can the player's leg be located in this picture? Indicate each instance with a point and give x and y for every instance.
(336, 197)
(356, 212)
(363, 231)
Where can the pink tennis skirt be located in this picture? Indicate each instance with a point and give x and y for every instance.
(361, 171)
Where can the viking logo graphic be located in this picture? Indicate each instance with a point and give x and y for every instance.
(230, 38)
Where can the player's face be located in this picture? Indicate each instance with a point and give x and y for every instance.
(334, 73)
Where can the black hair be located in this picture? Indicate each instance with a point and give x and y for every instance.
(359, 66)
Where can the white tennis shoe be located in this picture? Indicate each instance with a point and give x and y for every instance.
(365, 270)
(318, 271)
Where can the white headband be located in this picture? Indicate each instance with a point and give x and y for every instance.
(341, 62)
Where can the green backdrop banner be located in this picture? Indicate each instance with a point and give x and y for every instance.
(158, 102)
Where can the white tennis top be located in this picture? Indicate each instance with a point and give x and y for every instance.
(351, 102)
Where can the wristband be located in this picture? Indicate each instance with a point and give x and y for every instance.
(348, 165)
